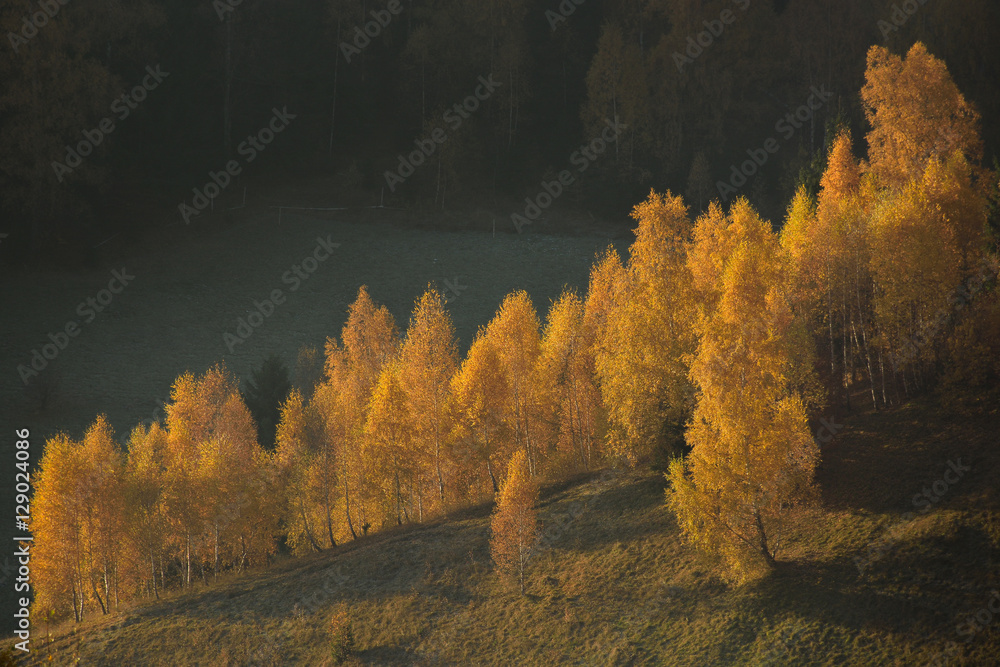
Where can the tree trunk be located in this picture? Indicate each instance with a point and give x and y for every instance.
(493, 478)
(215, 567)
(762, 537)
(399, 501)
(97, 594)
(76, 610)
(347, 509)
(305, 526)
(152, 567)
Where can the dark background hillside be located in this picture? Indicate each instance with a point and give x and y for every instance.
(357, 109)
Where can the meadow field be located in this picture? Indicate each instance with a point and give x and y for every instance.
(614, 584)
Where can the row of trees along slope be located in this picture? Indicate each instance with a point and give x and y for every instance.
(712, 344)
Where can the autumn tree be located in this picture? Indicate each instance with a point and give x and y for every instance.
(216, 476)
(926, 239)
(236, 481)
(566, 371)
(143, 502)
(306, 465)
(641, 358)
(428, 360)
(514, 525)
(927, 211)
(395, 456)
(103, 526)
(79, 523)
(829, 246)
(480, 404)
(752, 454)
(58, 509)
(369, 339)
(916, 113)
(514, 332)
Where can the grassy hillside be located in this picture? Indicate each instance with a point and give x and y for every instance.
(614, 585)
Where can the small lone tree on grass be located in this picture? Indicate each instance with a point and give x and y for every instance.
(514, 525)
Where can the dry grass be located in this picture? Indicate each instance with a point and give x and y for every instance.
(616, 586)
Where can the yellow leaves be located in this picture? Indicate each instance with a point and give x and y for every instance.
(842, 176)
(663, 225)
(916, 113)
(481, 401)
(369, 339)
(607, 280)
(514, 525)
(752, 454)
(428, 360)
(566, 374)
(388, 421)
(647, 332)
(926, 239)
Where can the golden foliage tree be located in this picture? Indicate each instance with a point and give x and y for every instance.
(926, 239)
(752, 455)
(79, 528)
(641, 356)
(428, 360)
(216, 477)
(479, 401)
(566, 370)
(103, 525)
(306, 466)
(58, 509)
(143, 506)
(368, 340)
(916, 112)
(514, 332)
(396, 458)
(514, 525)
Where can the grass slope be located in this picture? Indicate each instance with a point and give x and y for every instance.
(615, 585)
